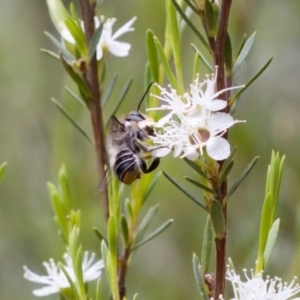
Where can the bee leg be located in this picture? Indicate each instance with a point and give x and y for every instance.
(152, 167)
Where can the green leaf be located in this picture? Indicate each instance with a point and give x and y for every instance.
(124, 230)
(151, 186)
(60, 47)
(241, 178)
(142, 228)
(112, 236)
(129, 209)
(244, 53)
(70, 281)
(2, 170)
(72, 120)
(196, 65)
(185, 191)
(122, 96)
(192, 6)
(94, 41)
(76, 97)
(190, 24)
(174, 37)
(152, 235)
(52, 54)
(164, 61)
(79, 272)
(82, 86)
(207, 245)
(203, 59)
(217, 219)
(266, 218)
(99, 234)
(209, 18)
(228, 54)
(237, 95)
(77, 33)
(199, 277)
(272, 237)
(58, 13)
(65, 189)
(240, 48)
(109, 90)
(224, 172)
(200, 185)
(152, 56)
(135, 297)
(196, 167)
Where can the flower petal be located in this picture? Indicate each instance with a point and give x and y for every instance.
(120, 49)
(218, 148)
(125, 28)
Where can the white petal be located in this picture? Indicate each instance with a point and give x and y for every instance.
(218, 148)
(215, 105)
(221, 121)
(190, 152)
(45, 291)
(99, 52)
(125, 28)
(177, 149)
(161, 152)
(120, 49)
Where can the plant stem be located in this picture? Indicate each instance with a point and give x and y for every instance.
(123, 266)
(219, 52)
(91, 78)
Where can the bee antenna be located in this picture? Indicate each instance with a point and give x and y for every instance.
(141, 101)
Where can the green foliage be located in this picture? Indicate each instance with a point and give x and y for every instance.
(3, 167)
(269, 227)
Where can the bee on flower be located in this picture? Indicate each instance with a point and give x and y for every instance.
(194, 121)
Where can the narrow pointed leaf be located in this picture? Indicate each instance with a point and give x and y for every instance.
(52, 54)
(240, 48)
(200, 185)
(79, 272)
(98, 289)
(124, 230)
(152, 56)
(112, 236)
(155, 233)
(224, 172)
(263, 232)
(207, 245)
(196, 167)
(109, 90)
(151, 186)
(185, 191)
(78, 35)
(241, 178)
(228, 54)
(135, 297)
(94, 41)
(65, 189)
(83, 88)
(187, 20)
(76, 97)
(196, 65)
(203, 59)
(60, 47)
(2, 170)
(122, 96)
(142, 228)
(164, 61)
(199, 277)
(217, 219)
(237, 95)
(244, 53)
(209, 18)
(72, 120)
(70, 281)
(192, 6)
(272, 237)
(99, 234)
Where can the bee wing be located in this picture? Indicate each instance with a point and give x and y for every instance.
(115, 126)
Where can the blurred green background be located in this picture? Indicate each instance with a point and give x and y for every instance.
(35, 140)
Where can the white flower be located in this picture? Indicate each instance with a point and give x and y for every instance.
(55, 280)
(194, 122)
(256, 288)
(108, 40)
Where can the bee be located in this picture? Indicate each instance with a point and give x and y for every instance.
(126, 145)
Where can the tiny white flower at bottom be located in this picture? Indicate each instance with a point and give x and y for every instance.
(55, 280)
(256, 288)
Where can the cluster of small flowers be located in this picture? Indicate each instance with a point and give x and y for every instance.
(194, 121)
